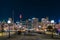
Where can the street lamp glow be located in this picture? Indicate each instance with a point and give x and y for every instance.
(20, 26)
(52, 21)
(9, 21)
(39, 26)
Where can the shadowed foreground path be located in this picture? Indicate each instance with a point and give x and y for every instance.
(32, 37)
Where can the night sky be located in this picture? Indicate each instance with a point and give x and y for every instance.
(29, 9)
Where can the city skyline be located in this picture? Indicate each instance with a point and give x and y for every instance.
(29, 19)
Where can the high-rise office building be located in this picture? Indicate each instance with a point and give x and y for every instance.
(44, 20)
(29, 23)
(35, 22)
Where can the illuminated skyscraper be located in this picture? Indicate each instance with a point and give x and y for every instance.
(26, 23)
(45, 20)
(35, 22)
(29, 23)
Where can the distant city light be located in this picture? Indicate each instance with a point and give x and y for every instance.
(47, 21)
(17, 22)
(52, 21)
(39, 26)
(29, 19)
(9, 21)
(20, 16)
(23, 27)
(33, 18)
(43, 19)
(20, 26)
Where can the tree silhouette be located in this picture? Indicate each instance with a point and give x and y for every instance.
(49, 28)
